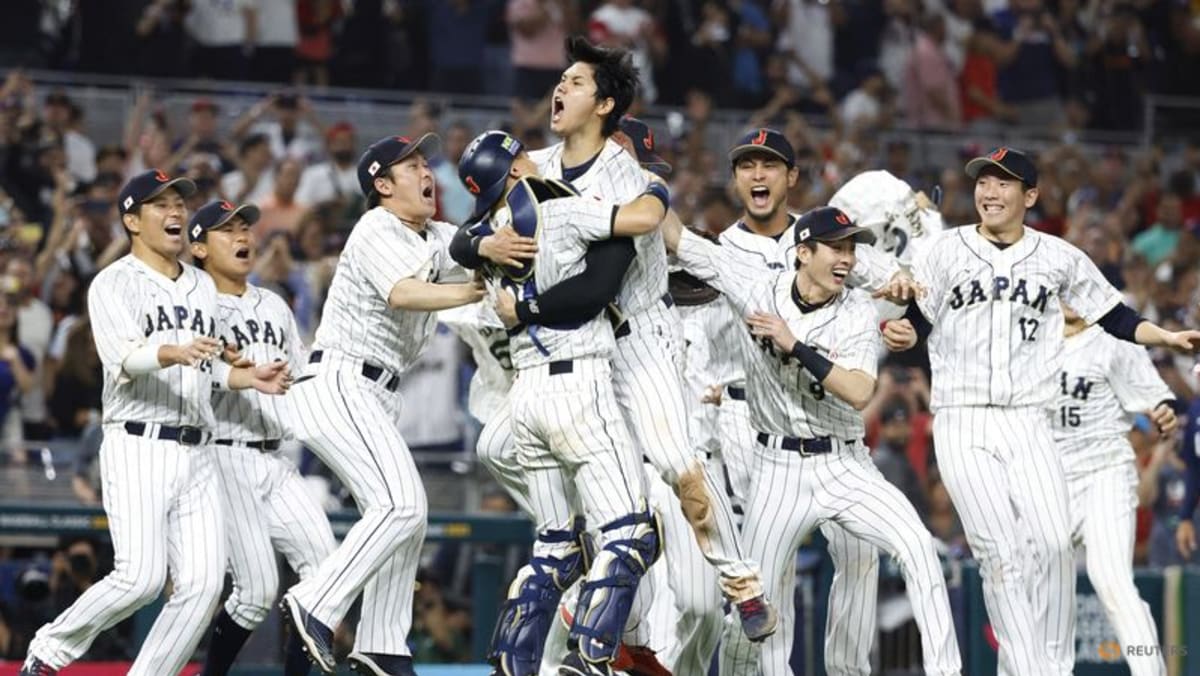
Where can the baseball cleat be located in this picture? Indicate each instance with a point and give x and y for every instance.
(759, 618)
(575, 665)
(35, 667)
(316, 638)
(378, 664)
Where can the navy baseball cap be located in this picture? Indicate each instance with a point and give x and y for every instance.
(217, 213)
(484, 166)
(388, 151)
(764, 140)
(147, 185)
(642, 137)
(1010, 161)
(829, 224)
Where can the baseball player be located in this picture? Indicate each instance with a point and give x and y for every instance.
(154, 321)
(900, 218)
(391, 278)
(995, 349)
(1102, 385)
(586, 109)
(804, 398)
(569, 435)
(266, 504)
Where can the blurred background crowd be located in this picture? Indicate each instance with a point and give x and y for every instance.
(1100, 91)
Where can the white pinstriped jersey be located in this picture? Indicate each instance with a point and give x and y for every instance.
(261, 326)
(1104, 382)
(132, 305)
(616, 177)
(783, 397)
(997, 323)
(567, 225)
(381, 250)
(478, 326)
(888, 207)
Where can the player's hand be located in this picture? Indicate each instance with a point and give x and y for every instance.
(1184, 342)
(1163, 416)
(506, 308)
(199, 350)
(506, 247)
(10, 353)
(272, 378)
(773, 327)
(899, 335)
(712, 395)
(901, 289)
(1185, 538)
(234, 358)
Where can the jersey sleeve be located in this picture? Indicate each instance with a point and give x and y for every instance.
(709, 263)
(860, 350)
(1085, 289)
(386, 255)
(625, 176)
(115, 326)
(928, 273)
(872, 269)
(589, 218)
(1134, 379)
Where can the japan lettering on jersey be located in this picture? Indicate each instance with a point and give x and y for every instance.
(381, 251)
(888, 206)
(1103, 384)
(262, 328)
(616, 177)
(567, 225)
(478, 326)
(130, 306)
(783, 397)
(997, 322)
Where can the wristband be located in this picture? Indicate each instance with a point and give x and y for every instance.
(660, 191)
(816, 364)
(526, 313)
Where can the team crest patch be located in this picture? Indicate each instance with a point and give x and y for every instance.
(373, 169)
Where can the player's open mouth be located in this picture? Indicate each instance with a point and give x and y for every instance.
(556, 109)
(242, 252)
(173, 229)
(760, 196)
(993, 208)
(839, 275)
(427, 192)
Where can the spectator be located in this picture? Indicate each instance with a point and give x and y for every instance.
(254, 179)
(865, 108)
(63, 117)
(1161, 241)
(440, 626)
(1117, 54)
(335, 180)
(709, 57)
(76, 401)
(1032, 53)
(890, 454)
(204, 137)
(280, 211)
(455, 202)
(16, 366)
(943, 520)
(931, 95)
(538, 30)
(112, 159)
(272, 28)
(35, 324)
(293, 131)
(806, 46)
(621, 23)
(896, 42)
(1161, 488)
(751, 43)
(982, 108)
(316, 19)
(224, 37)
(160, 31)
(458, 29)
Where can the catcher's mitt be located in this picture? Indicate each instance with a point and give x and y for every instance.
(686, 289)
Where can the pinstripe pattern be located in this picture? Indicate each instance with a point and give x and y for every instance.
(887, 206)
(1008, 487)
(163, 514)
(478, 326)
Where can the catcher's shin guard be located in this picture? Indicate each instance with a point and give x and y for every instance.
(633, 542)
(533, 597)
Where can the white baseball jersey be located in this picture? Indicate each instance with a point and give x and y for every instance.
(261, 326)
(1104, 382)
(478, 326)
(887, 206)
(616, 176)
(844, 331)
(382, 250)
(132, 305)
(997, 323)
(567, 225)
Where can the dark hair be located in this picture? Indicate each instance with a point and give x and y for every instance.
(252, 141)
(614, 73)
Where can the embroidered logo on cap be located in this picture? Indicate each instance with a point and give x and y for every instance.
(160, 176)
(998, 154)
(842, 218)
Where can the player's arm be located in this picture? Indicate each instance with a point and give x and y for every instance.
(644, 213)
(474, 244)
(420, 296)
(391, 267)
(1138, 386)
(581, 297)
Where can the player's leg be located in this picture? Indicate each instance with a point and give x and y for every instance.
(498, 453)
(1108, 533)
(196, 552)
(978, 483)
(868, 506)
(251, 558)
(1039, 493)
(779, 512)
(737, 445)
(853, 596)
(137, 476)
(338, 416)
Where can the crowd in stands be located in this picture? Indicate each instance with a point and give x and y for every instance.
(831, 74)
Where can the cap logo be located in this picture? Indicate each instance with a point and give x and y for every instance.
(196, 230)
(761, 138)
(648, 142)
(160, 176)
(226, 206)
(804, 234)
(508, 144)
(998, 154)
(472, 185)
(127, 203)
(404, 139)
(373, 169)
(842, 218)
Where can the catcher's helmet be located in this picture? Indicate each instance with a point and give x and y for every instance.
(484, 167)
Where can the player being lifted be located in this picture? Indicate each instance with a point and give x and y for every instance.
(266, 504)
(805, 396)
(995, 347)
(154, 321)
